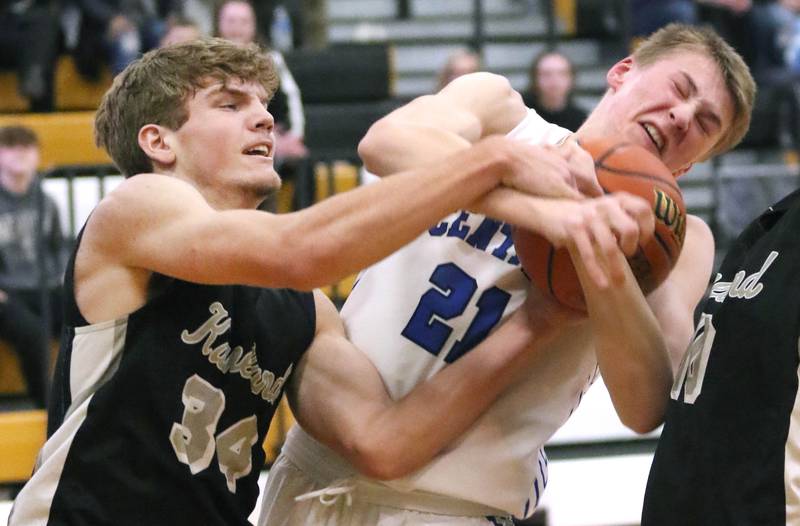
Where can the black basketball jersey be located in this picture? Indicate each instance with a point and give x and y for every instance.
(729, 453)
(159, 417)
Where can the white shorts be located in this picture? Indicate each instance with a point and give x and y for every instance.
(354, 501)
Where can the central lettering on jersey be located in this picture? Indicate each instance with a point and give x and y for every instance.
(742, 286)
(262, 383)
(491, 236)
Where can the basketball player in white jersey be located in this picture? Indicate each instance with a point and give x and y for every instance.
(685, 95)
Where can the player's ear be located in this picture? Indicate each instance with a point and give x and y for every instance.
(682, 171)
(616, 75)
(154, 141)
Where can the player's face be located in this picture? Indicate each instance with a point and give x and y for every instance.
(677, 107)
(227, 143)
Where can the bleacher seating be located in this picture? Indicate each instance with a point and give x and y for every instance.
(10, 99)
(75, 93)
(22, 434)
(71, 91)
(65, 137)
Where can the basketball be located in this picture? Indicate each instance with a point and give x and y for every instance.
(620, 166)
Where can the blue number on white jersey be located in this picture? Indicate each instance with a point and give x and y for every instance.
(453, 290)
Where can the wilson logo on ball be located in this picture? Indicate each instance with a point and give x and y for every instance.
(670, 213)
(620, 166)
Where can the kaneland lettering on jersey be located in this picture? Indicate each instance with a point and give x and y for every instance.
(742, 286)
(262, 383)
(490, 235)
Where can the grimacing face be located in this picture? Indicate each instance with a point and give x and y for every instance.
(678, 107)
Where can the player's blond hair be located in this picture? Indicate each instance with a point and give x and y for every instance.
(738, 80)
(155, 88)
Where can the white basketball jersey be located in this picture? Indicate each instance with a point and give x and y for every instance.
(434, 300)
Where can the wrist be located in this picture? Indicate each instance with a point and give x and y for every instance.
(494, 158)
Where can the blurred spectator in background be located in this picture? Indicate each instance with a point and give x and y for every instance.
(647, 16)
(460, 62)
(119, 30)
(26, 259)
(551, 79)
(280, 22)
(180, 29)
(738, 23)
(236, 21)
(780, 39)
(29, 38)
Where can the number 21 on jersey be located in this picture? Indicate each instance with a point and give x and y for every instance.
(448, 299)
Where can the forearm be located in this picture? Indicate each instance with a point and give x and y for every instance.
(631, 351)
(374, 220)
(338, 396)
(409, 433)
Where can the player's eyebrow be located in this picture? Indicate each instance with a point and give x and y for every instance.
(239, 93)
(712, 112)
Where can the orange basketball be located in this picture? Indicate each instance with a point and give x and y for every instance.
(620, 166)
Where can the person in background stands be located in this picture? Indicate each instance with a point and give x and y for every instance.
(458, 63)
(29, 44)
(31, 250)
(551, 80)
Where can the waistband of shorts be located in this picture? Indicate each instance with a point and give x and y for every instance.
(382, 495)
(317, 461)
(331, 471)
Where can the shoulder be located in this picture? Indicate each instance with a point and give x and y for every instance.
(137, 205)
(145, 194)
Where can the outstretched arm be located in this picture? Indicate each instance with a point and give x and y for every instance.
(338, 396)
(156, 223)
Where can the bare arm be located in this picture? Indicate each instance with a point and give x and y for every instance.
(637, 340)
(155, 223)
(674, 301)
(161, 224)
(433, 126)
(338, 396)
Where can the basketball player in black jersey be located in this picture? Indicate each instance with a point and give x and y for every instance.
(183, 328)
(729, 453)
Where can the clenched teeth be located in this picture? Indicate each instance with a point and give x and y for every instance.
(654, 134)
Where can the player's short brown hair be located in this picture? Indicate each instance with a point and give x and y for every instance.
(155, 88)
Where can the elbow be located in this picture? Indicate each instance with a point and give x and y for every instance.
(378, 144)
(369, 150)
(643, 421)
(377, 461)
(642, 426)
(381, 468)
